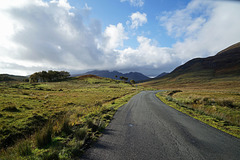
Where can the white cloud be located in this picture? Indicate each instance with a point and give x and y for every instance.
(145, 55)
(62, 3)
(115, 35)
(138, 19)
(87, 7)
(47, 36)
(136, 3)
(204, 27)
(186, 21)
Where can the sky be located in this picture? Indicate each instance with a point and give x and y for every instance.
(147, 36)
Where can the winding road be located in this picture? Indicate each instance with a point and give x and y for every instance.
(147, 129)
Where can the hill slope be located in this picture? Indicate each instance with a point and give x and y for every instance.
(7, 77)
(224, 64)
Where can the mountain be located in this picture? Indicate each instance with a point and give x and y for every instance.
(136, 76)
(225, 63)
(161, 75)
(7, 77)
(221, 69)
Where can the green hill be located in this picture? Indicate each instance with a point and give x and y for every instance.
(7, 77)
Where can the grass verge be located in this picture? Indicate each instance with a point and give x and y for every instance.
(216, 115)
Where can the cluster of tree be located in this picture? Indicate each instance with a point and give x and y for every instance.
(48, 76)
(123, 78)
(126, 79)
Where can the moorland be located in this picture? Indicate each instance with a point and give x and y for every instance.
(57, 120)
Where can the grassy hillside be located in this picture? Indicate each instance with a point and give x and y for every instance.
(7, 77)
(224, 64)
(58, 119)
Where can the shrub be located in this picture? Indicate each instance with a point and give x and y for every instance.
(24, 148)
(44, 137)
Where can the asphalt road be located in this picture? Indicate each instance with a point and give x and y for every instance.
(147, 129)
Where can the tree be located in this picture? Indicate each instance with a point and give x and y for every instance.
(48, 76)
(132, 81)
(124, 78)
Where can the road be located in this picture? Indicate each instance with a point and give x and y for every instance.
(147, 129)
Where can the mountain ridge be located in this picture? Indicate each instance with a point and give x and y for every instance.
(222, 68)
(224, 63)
(136, 76)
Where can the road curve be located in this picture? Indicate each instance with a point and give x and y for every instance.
(147, 129)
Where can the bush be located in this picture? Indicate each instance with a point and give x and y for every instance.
(24, 148)
(44, 137)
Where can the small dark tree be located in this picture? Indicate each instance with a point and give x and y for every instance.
(124, 78)
(132, 81)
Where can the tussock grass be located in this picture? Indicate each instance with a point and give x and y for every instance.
(44, 136)
(81, 133)
(62, 117)
(24, 148)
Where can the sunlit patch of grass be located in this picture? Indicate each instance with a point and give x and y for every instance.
(208, 108)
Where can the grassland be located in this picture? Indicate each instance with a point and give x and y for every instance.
(57, 120)
(213, 101)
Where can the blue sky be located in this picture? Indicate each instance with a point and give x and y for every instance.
(148, 36)
(114, 11)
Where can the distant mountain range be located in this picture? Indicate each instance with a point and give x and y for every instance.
(136, 76)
